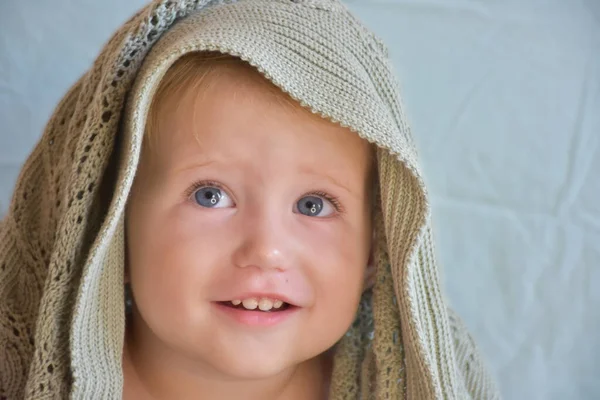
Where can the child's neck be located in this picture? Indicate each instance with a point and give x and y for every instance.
(150, 375)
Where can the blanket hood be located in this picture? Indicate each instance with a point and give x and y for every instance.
(62, 242)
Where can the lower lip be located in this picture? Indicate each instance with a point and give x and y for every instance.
(256, 318)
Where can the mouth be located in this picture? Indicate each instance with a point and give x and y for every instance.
(256, 312)
(261, 305)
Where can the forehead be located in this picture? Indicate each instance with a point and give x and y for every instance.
(236, 115)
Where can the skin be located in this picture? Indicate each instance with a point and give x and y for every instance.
(266, 155)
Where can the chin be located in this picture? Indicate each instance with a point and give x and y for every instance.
(254, 365)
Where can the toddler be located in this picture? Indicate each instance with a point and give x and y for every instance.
(228, 205)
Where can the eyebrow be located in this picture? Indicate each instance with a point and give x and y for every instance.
(305, 170)
(311, 171)
(195, 165)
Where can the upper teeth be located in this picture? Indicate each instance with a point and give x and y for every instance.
(262, 304)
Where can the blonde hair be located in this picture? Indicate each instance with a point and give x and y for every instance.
(193, 73)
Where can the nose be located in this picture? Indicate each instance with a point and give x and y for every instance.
(264, 243)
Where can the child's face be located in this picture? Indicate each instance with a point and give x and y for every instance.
(243, 197)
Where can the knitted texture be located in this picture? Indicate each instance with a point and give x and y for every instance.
(62, 246)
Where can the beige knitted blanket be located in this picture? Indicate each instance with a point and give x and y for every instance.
(61, 244)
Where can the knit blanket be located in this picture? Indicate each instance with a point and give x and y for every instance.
(62, 312)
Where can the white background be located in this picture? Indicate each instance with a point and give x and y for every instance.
(504, 99)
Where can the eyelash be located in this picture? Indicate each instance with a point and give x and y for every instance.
(330, 198)
(200, 184)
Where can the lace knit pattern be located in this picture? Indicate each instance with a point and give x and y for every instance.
(62, 241)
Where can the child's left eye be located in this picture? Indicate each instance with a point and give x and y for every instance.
(314, 206)
(212, 197)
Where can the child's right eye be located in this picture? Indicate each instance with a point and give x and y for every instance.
(212, 197)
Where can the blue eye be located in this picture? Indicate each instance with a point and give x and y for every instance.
(314, 206)
(212, 197)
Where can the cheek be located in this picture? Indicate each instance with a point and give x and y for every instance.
(170, 262)
(339, 259)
